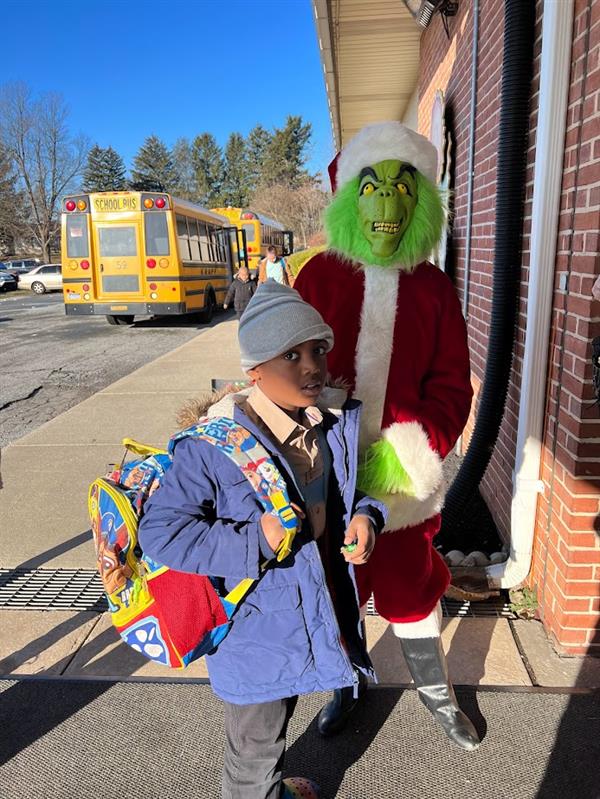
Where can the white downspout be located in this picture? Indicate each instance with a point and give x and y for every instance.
(557, 23)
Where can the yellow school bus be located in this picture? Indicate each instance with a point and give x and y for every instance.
(261, 232)
(128, 254)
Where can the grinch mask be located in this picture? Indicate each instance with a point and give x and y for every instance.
(389, 215)
(387, 198)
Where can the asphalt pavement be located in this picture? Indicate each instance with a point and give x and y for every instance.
(51, 362)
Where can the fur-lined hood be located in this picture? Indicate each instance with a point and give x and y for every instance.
(222, 403)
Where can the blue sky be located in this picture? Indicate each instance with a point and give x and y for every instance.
(171, 67)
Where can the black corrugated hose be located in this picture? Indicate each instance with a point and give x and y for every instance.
(517, 64)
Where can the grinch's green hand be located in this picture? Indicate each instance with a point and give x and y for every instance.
(381, 472)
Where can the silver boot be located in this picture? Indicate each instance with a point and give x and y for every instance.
(427, 664)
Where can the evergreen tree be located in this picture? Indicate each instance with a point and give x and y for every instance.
(153, 168)
(235, 189)
(11, 204)
(104, 171)
(185, 186)
(207, 164)
(257, 144)
(285, 157)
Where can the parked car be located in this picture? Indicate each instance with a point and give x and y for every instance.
(8, 282)
(47, 277)
(20, 265)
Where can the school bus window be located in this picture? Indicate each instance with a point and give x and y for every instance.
(117, 241)
(194, 240)
(77, 237)
(209, 242)
(156, 234)
(182, 238)
(249, 232)
(218, 246)
(204, 248)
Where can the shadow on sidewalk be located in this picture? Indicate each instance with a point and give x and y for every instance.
(326, 760)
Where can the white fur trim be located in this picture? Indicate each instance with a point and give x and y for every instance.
(406, 511)
(383, 141)
(429, 627)
(374, 348)
(422, 464)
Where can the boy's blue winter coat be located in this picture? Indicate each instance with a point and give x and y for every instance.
(285, 638)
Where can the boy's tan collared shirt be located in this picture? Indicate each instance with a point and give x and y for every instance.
(300, 446)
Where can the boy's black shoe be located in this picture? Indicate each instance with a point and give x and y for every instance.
(335, 714)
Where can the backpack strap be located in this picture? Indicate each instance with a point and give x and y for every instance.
(255, 463)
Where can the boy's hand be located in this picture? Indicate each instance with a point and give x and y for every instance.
(359, 540)
(224, 307)
(272, 529)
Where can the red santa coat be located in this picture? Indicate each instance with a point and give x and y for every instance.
(401, 344)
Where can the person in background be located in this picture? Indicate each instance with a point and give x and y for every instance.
(241, 290)
(273, 268)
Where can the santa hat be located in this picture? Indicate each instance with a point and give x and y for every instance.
(382, 142)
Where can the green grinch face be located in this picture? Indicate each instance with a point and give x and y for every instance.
(386, 203)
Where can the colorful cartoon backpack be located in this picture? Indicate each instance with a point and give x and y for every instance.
(169, 616)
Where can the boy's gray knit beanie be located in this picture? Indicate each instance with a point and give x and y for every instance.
(275, 320)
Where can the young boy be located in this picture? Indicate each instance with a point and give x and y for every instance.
(241, 290)
(299, 630)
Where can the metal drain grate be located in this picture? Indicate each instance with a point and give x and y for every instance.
(81, 589)
(51, 589)
(496, 608)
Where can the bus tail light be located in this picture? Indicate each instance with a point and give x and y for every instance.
(250, 249)
(164, 262)
(160, 202)
(86, 296)
(153, 295)
(70, 205)
(85, 287)
(82, 205)
(150, 263)
(153, 286)
(148, 202)
(85, 264)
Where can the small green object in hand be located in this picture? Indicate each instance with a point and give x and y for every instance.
(350, 547)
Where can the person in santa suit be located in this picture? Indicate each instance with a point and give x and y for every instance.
(401, 345)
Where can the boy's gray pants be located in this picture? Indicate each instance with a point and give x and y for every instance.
(255, 748)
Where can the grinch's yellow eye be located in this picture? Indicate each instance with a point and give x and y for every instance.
(402, 188)
(368, 188)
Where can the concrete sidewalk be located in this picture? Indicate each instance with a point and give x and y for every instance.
(43, 516)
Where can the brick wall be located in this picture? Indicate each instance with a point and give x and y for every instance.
(566, 565)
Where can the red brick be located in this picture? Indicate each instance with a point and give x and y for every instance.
(567, 637)
(583, 589)
(577, 605)
(579, 621)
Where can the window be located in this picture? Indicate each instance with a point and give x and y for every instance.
(77, 236)
(194, 239)
(117, 242)
(217, 236)
(204, 243)
(211, 229)
(249, 231)
(156, 234)
(182, 238)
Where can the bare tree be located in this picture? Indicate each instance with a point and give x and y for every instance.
(46, 157)
(300, 208)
